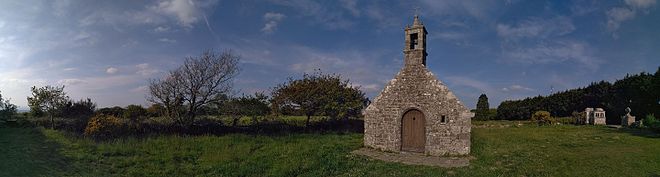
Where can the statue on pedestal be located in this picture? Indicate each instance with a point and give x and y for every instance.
(627, 120)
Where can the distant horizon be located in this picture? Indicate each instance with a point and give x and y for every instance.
(471, 107)
(509, 50)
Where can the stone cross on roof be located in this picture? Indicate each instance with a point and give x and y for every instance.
(416, 21)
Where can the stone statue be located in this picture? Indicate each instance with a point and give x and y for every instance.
(627, 120)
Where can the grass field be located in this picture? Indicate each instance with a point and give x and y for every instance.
(498, 151)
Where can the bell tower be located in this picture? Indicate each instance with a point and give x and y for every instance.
(415, 111)
(415, 49)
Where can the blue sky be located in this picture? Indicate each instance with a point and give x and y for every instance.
(107, 50)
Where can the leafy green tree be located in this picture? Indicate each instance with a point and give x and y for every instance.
(48, 99)
(482, 108)
(83, 108)
(319, 94)
(81, 111)
(135, 113)
(155, 110)
(246, 105)
(112, 111)
(7, 110)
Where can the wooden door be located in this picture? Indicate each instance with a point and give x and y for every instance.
(413, 131)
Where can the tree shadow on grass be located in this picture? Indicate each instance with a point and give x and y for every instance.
(268, 128)
(28, 152)
(635, 132)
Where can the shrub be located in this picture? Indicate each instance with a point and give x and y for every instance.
(543, 118)
(135, 113)
(114, 111)
(103, 127)
(80, 112)
(578, 117)
(78, 109)
(155, 110)
(651, 122)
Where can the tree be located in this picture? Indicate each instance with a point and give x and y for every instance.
(113, 111)
(246, 105)
(47, 99)
(194, 84)
(7, 110)
(134, 113)
(82, 109)
(482, 108)
(638, 91)
(155, 110)
(318, 94)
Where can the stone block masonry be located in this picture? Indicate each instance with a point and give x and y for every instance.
(445, 120)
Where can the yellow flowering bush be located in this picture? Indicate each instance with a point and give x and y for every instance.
(104, 127)
(543, 118)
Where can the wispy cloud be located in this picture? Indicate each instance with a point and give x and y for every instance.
(542, 41)
(69, 82)
(161, 29)
(327, 16)
(111, 70)
(145, 69)
(536, 28)
(516, 88)
(480, 10)
(640, 4)
(184, 10)
(351, 6)
(617, 15)
(272, 20)
(167, 40)
(620, 14)
(384, 18)
(553, 52)
(140, 89)
(281, 60)
(185, 13)
(469, 82)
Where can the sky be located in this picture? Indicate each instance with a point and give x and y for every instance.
(108, 50)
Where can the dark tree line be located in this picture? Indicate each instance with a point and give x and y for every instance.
(640, 92)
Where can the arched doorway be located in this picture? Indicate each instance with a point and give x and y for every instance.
(413, 131)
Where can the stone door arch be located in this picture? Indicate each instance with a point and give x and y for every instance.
(413, 131)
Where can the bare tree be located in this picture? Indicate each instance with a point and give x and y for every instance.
(194, 84)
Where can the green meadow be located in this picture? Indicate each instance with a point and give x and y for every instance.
(505, 149)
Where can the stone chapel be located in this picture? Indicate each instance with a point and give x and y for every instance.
(416, 112)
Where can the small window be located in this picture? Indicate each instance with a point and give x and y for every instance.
(413, 41)
(443, 119)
